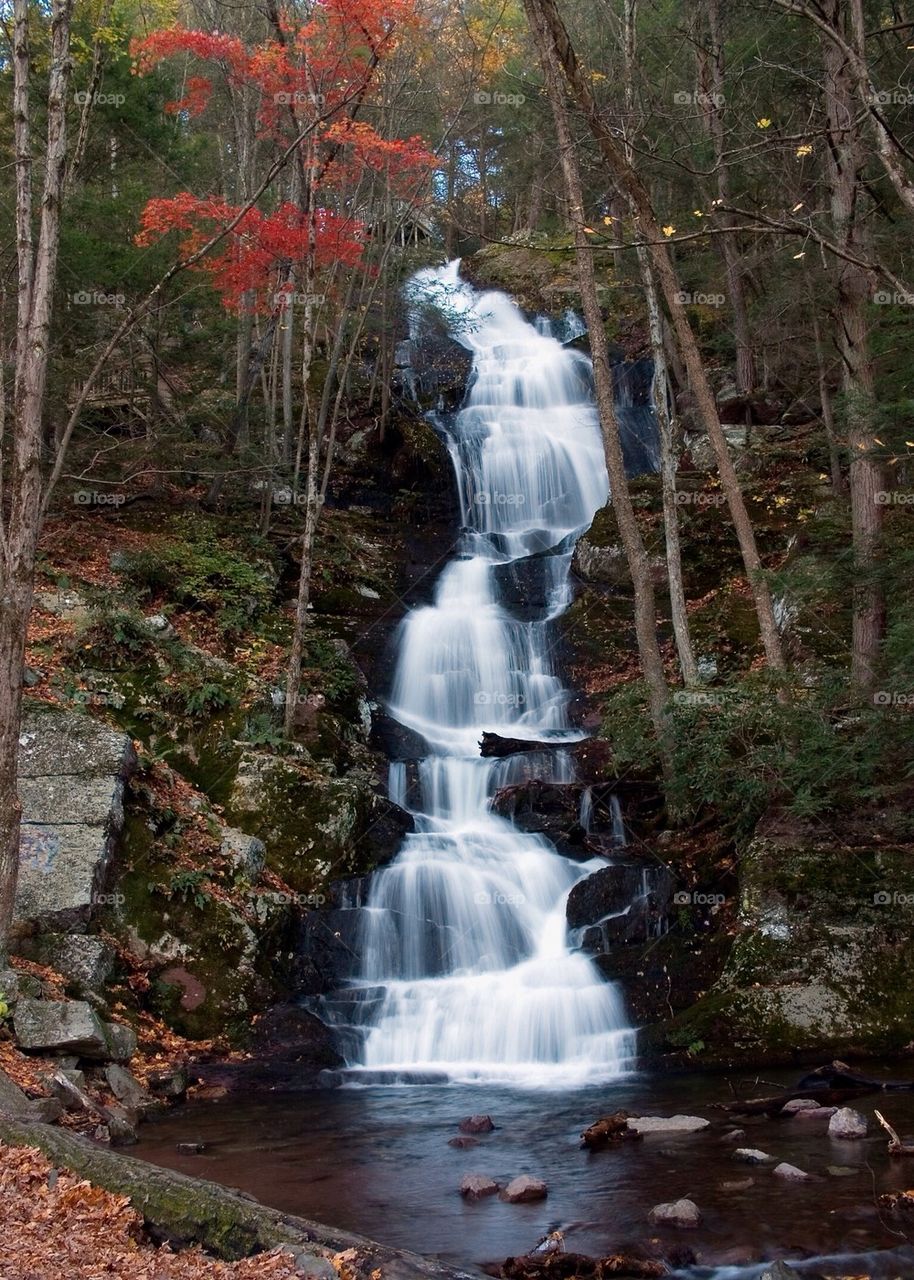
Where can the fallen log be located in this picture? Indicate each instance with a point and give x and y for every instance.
(830, 1086)
(609, 1131)
(224, 1221)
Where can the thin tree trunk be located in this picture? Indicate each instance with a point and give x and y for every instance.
(828, 418)
(631, 184)
(661, 392)
(22, 486)
(633, 544)
(846, 158)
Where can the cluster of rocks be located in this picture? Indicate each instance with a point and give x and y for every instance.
(479, 1186)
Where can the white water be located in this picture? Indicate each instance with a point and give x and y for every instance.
(465, 930)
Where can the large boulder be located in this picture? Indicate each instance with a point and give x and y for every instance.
(72, 771)
(821, 959)
(70, 1027)
(625, 902)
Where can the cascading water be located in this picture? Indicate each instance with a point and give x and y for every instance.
(465, 962)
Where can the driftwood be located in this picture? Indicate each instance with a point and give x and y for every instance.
(577, 1266)
(897, 1146)
(493, 744)
(227, 1222)
(829, 1086)
(609, 1131)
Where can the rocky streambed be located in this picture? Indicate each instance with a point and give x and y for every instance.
(390, 1162)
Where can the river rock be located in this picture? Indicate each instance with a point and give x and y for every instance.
(815, 1113)
(751, 1155)
(170, 1084)
(799, 1104)
(847, 1123)
(734, 1135)
(128, 1090)
(676, 1213)
(524, 1188)
(840, 1171)
(668, 1124)
(476, 1186)
(69, 1026)
(737, 1184)
(463, 1142)
(15, 1103)
(476, 1124)
(790, 1172)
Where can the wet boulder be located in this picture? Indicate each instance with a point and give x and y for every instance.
(525, 1189)
(847, 1123)
(625, 902)
(683, 1214)
(476, 1124)
(70, 1027)
(476, 1186)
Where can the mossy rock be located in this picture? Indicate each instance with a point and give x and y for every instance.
(316, 828)
(822, 962)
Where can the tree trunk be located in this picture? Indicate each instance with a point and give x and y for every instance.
(20, 500)
(846, 158)
(631, 184)
(633, 544)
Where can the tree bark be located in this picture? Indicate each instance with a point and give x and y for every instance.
(630, 183)
(20, 501)
(846, 158)
(633, 544)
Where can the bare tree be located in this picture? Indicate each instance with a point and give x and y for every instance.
(20, 446)
(632, 542)
(630, 183)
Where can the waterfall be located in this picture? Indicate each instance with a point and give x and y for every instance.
(466, 967)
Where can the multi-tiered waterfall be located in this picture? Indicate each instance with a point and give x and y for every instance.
(464, 946)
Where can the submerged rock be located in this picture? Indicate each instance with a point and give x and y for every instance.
(476, 1124)
(790, 1173)
(476, 1186)
(524, 1189)
(684, 1214)
(751, 1155)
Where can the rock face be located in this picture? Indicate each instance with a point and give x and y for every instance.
(820, 962)
(72, 771)
(847, 1123)
(524, 1189)
(71, 1026)
(626, 902)
(677, 1213)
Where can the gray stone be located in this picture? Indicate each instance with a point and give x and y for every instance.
(840, 1171)
(9, 986)
(734, 1135)
(121, 1125)
(121, 1042)
(158, 623)
(59, 1026)
(127, 1089)
(751, 1155)
(475, 1186)
(847, 1123)
(87, 961)
(45, 1110)
(72, 770)
(246, 853)
(169, 1084)
(790, 1172)
(799, 1104)
(190, 1148)
(311, 1266)
(676, 1213)
(737, 1184)
(668, 1124)
(62, 1026)
(523, 1189)
(15, 1103)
